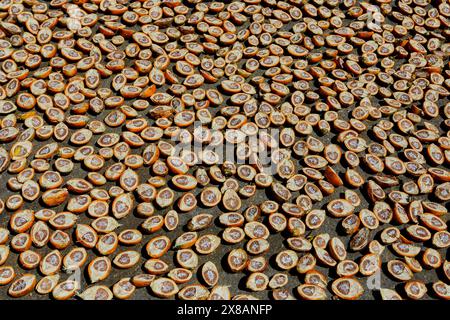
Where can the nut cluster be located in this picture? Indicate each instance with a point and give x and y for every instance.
(97, 96)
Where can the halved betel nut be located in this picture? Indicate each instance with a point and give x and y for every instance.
(210, 274)
(257, 246)
(347, 288)
(107, 243)
(75, 259)
(194, 292)
(142, 280)
(104, 224)
(286, 259)
(207, 244)
(96, 292)
(180, 275)
(337, 249)
(22, 220)
(441, 239)
(278, 280)
(4, 235)
(47, 284)
(123, 289)
(340, 208)
(153, 223)
(22, 286)
(237, 260)
(55, 197)
(415, 289)
(158, 246)
(257, 281)
(431, 258)
(65, 290)
(130, 237)
(220, 293)
(7, 274)
(369, 264)
(210, 196)
(51, 263)
(399, 270)
(164, 287)
(315, 218)
(185, 240)
(311, 292)
(200, 222)
(122, 205)
(29, 259)
(126, 259)
(441, 289)
(4, 253)
(184, 182)
(156, 266)
(256, 230)
(60, 239)
(165, 197)
(86, 235)
(389, 294)
(99, 269)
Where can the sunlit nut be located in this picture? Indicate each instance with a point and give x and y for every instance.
(257, 281)
(165, 197)
(210, 274)
(399, 270)
(180, 275)
(347, 288)
(360, 239)
(22, 286)
(340, 208)
(207, 244)
(55, 197)
(99, 292)
(164, 287)
(158, 246)
(431, 258)
(51, 263)
(126, 259)
(40, 234)
(75, 259)
(186, 240)
(86, 235)
(22, 220)
(388, 294)
(4, 235)
(432, 222)
(4, 250)
(99, 269)
(122, 205)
